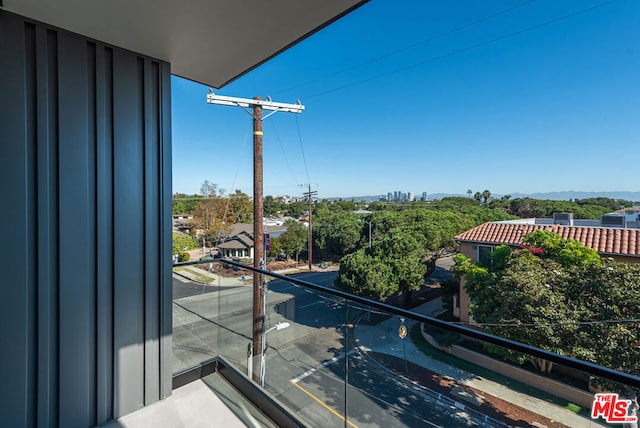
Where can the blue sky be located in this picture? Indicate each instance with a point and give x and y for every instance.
(396, 98)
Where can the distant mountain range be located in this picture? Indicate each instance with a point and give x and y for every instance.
(558, 196)
(570, 194)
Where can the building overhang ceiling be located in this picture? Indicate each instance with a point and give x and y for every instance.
(208, 41)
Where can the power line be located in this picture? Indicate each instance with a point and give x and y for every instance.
(304, 159)
(554, 324)
(409, 47)
(284, 153)
(462, 50)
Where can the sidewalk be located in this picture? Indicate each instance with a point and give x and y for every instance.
(383, 338)
(201, 276)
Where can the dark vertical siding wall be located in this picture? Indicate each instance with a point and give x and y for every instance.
(85, 309)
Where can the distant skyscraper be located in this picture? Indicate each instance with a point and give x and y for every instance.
(424, 196)
(389, 196)
(411, 196)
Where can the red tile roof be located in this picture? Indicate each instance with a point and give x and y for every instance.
(605, 240)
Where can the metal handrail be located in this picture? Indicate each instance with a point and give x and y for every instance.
(611, 374)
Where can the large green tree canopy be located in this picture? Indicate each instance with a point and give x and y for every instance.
(338, 233)
(394, 264)
(402, 241)
(558, 295)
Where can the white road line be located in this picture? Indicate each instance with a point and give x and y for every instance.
(311, 304)
(320, 366)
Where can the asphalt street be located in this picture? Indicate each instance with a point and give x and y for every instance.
(305, 363)
(184, 288)
(374, 398)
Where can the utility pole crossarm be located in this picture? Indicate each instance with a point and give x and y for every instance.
(267, 104)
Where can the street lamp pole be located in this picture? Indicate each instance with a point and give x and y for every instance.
(263, 361)
(402, 332)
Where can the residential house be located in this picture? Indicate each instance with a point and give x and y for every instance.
(180, 223)
(238, 243)
(622, 244)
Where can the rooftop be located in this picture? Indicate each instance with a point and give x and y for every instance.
(605, 240)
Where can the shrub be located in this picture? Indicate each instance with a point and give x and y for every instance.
(183, 257)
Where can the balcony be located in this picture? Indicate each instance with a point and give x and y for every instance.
(334, 359)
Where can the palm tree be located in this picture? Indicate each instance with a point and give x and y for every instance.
(477, 196)
(486, 195)
(469, 192)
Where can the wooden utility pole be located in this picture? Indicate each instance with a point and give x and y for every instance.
(259, 294)
(257, 105)
(309, 195)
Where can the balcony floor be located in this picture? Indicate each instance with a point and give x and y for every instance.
(204, 403)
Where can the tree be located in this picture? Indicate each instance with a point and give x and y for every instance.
(295, 239)
(182, 242)
(214, 216)
(344, 206)
(240, 207)
(529, 207)
(271, 207)
(608, 203)
(504, 203)
(321, 211)
(338, 234)
(525, 306)
(486, 196)
(395, 264)
(209, 219)
(208, 189)
(554, 294)
(566, 251)
(184, 204)
(275, 247)
(296, 209)
(477, 196)
(469, 192)
(367, 276)
(406, 254)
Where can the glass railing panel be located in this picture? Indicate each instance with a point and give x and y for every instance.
(194, 325)
(394, 383)
(211, 309)
(403, 372)
(304, 358)
(333, 359)
(234, 315)
(505, 386)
